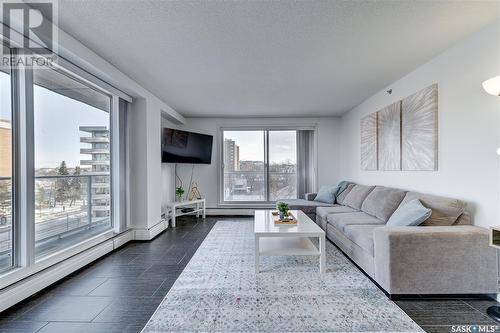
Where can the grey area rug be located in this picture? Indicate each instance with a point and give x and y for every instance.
(218, 291)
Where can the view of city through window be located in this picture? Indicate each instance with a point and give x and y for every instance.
(282, 165)
(5, 172)
(249, 175)
(72, 161)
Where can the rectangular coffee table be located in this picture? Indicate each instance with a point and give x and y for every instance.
(273, 239)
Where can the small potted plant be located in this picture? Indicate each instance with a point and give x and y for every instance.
(179, 191)
(282, 209)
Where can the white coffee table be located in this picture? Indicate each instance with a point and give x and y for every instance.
(273, 239)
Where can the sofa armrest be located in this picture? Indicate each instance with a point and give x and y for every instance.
(310, 196)
(435, 260)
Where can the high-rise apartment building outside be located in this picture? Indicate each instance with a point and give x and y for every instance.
(231, 155)
(98, 166)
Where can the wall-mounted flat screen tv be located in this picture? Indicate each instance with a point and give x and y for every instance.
(186, 147)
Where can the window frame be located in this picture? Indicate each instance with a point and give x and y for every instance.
(13, 178)
(220, 161)
(112, 110)
(23, 177)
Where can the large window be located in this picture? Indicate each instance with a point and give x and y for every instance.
(6, 234)
(63, 163)
(259, 165)
(72, 161)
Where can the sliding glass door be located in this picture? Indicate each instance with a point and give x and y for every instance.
(6, 152)
(259, 166)
(62, 160)
(72, 161)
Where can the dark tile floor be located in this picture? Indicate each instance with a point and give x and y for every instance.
(120, 292)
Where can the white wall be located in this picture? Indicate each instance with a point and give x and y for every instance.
(167, 175)
(207, 175)
(468, 127)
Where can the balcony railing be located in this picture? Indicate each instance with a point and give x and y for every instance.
(251, 186)
(94, 139)
(64, 206)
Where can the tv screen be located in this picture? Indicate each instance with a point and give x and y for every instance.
(186, 147)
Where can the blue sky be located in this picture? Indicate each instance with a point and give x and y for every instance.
(57, 121)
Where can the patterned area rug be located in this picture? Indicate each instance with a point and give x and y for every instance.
(218, 291)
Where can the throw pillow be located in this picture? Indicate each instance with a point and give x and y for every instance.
(412, 213)
(327, 194)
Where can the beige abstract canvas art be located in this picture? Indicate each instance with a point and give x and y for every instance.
(389, 137)
(369, 149)
(419, 145)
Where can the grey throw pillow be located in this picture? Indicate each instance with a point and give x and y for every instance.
(412, 213)
(327, 194)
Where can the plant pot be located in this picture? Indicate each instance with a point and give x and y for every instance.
(282, 215)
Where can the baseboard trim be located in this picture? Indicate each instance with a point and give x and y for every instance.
(23, 289)
(150, 233)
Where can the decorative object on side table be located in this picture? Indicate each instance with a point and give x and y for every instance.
(179, 191)
(195, 193)
(492, 86)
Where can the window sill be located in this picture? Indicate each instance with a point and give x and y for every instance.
(18, 273)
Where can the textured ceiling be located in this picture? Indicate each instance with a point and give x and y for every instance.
(269, 58)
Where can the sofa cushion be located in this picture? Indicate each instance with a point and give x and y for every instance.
(308, 207)
(445, 211)
(343, 185)
(327, 194)
(341, 195)
(336, 209)
(357, 195)
(382, 202)
(362, 235)
(340, 221)
(464, 219)
(412, 213)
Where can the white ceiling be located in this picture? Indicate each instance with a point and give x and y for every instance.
(269, 58)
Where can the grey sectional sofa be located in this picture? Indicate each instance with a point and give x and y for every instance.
(444, 255)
